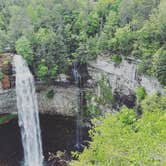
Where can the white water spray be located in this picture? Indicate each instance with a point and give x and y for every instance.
(77, 78)
(28, 114)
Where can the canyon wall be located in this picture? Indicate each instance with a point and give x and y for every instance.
(64, 100)
(123, 77)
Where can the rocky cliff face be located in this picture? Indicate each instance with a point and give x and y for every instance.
(7, 101)
(64, 100)
(123, 77)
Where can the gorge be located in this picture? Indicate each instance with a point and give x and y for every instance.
(82, 82)
(68, 99)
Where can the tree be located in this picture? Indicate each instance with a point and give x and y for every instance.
(61, 31)
(4, 40)
(159, 65)
(23, 47)
(42, 71)
(20, 25)
(122, 43)
(136, 9)
(93, 25)
(123, 139)
(154, 102)
(49, 46)
(140, 93)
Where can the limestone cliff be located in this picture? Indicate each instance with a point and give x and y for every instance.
(64, 100)
(123, 77)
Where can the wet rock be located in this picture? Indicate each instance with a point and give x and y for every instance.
(121, 99)
(60, 159)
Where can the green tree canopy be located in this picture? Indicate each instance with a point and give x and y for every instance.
(125, 139)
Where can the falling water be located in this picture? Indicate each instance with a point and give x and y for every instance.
(28, 114)
(77, 78)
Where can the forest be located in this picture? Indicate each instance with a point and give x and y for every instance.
(52, 34)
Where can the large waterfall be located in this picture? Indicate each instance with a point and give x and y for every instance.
(28, 114)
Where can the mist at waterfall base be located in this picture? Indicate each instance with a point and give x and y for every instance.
(28, 114)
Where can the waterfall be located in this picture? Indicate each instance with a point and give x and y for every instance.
(28, 113)
(77, 78)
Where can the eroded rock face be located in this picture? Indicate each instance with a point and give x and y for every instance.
(8, 101)
(64, 100)
(151, 84)
(123, 77)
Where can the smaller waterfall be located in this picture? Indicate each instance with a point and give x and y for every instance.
(77, 78)
(28, 114)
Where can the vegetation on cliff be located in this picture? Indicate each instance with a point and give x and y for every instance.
(6, 118)
(51, 34)
(128, 139)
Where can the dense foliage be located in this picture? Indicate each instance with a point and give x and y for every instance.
(140, 93)
(60, 31)
(127, 139)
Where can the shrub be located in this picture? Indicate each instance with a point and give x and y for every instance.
(53, 71)
(127, 116)
(154, 102)
(50, 94)
(42, 71)
(140, 93)
(92, 109)
(117, 59)
(159, 65)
